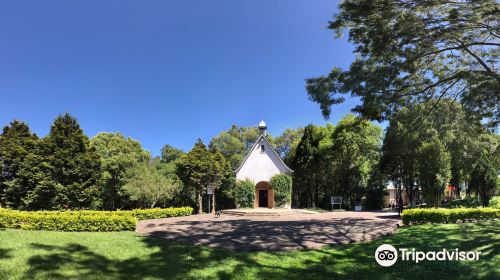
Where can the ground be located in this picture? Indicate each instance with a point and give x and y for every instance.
(273, 233)
(127, 255)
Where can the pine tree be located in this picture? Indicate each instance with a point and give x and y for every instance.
(17, 143)
(75, 167)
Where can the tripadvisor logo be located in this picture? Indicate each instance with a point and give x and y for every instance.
(387, 255)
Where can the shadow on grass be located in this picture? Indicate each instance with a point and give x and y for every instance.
(172, 260)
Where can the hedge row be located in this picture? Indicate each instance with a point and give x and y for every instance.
(157, 213)
(448, 216)
(85, 220)
(61, 221)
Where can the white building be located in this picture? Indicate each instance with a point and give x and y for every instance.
(260, 165)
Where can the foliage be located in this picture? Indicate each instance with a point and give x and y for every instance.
(148, 187)
(446, 124)
(286, 144)
(18, 146)
(485, 167)
(158, 213)
(200, 168)
(170, 154)
(282, 189)
(118, 156)
(434, 170)
(244, 194)
(61, 221)
(75, 167)
(410, 52)
(307, 176)
(446, 216)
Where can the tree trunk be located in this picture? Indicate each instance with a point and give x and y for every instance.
(199, 199)
(213, 203)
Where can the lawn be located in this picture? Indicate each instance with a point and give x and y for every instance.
(126, 255)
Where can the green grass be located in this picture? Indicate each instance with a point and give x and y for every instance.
(126, 255)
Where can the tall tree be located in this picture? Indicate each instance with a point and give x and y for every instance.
(196, 170)
(75, 167)
(118, 155)
(408, 52)
(485, 167)
(354, 152)
(433, 170)
(306, 164)
(17, 144)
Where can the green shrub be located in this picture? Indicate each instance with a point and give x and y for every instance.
(63, 221)
(85, 220)
(448, 216)
(282, 188)
(495, 202)
(244, 194)
(157, 213)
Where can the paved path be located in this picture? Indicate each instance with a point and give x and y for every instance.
(273, 233)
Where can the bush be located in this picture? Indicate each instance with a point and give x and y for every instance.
(85, 220)
(61, 221)
(244, 194)
(448, 216)
(282, 188)
(157, 213)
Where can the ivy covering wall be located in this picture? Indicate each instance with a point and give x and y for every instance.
(244, 194)
(282, 188)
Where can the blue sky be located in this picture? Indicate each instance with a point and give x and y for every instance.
(166, 71)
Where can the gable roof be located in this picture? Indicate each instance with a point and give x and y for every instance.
(262, 136)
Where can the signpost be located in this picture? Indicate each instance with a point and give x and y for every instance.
(210, 192)
(336, 200)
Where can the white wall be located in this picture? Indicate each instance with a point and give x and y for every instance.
(261, 166)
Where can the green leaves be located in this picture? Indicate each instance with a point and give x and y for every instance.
(409, 52)
(282, 189)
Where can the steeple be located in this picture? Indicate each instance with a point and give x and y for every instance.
(263, 128)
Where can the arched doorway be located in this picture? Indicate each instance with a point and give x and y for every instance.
(264, 195)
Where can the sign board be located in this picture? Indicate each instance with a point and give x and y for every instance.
(336, 199)
(210, 190)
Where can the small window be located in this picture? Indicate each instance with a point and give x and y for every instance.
(262, 148)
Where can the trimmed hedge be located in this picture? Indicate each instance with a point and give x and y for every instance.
(61, 221)
(282, 188)
(85, 220)
(157, 213)
(448, 216)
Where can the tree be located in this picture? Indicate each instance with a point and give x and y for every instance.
(17, 144)
(433, 170)
(148, 187)
(230, 146)
(485, 166)
(447, 122)
(75, 166)
(306, 164)
(286, 144)
(196, 171)
(169, 154)
(118, 155)
(409, 52)
(354, 152)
